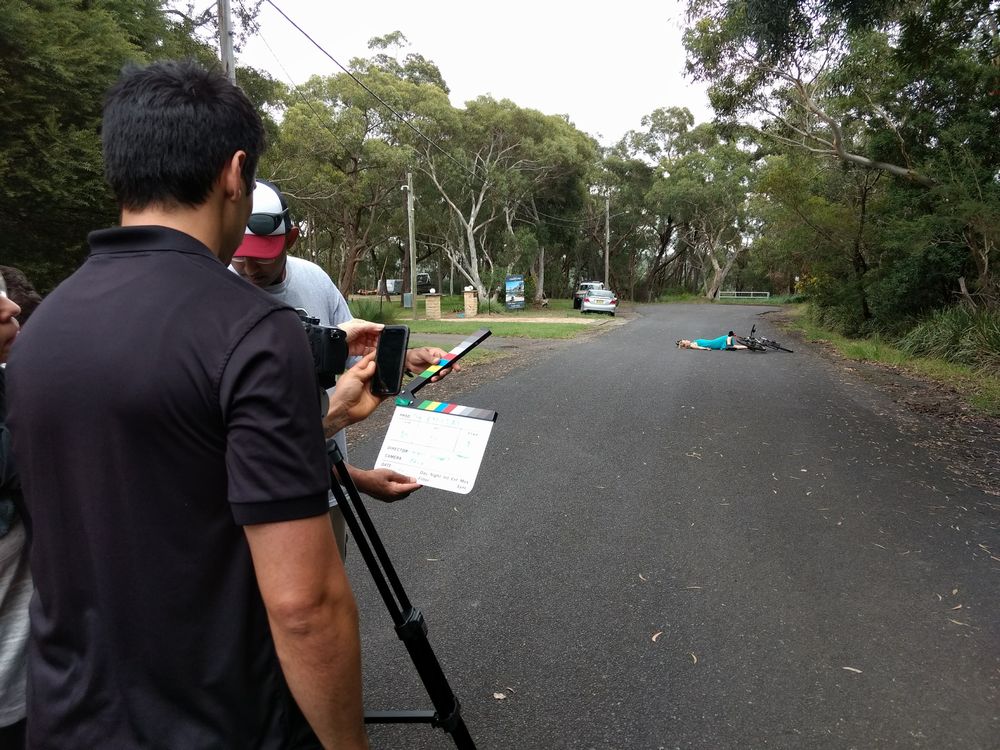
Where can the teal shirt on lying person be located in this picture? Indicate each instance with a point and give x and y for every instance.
(719, 343)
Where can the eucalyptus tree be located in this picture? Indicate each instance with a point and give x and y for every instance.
(504, 165)
(707, 185)
(618, 215)
(645, 158)
(684, 190)
(543, 206)
(905, 89)
(341, 159)
(816, 225)
(58, 59)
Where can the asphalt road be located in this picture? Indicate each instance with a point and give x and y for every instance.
(685, 549)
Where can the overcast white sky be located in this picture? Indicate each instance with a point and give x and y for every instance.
(604, 65)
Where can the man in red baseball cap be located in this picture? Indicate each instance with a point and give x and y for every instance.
(263, 260)
(269, 233)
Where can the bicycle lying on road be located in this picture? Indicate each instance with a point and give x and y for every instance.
(760, 343)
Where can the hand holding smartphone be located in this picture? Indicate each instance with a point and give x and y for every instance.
(390, 360)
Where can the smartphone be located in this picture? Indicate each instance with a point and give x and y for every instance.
(390, 359)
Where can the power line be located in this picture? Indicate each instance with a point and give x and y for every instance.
(357, 80)
(564, 222)
(319, 118)
(557, 221)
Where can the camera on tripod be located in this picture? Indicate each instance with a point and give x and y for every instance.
(329, 349)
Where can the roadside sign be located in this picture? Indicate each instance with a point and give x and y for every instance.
(514, 292)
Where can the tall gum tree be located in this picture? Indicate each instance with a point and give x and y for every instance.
(342, 159)
(504, 166)
(906, 89)
(707, 186)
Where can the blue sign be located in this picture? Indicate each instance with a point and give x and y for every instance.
(515, 292)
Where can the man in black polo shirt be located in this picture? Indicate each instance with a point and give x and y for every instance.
(167, 425)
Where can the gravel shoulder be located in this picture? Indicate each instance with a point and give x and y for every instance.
(936, 415)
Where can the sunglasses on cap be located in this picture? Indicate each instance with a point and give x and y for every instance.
(265, 224)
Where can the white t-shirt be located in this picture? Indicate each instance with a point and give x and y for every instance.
(308, 287)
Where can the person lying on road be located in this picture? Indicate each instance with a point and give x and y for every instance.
(727, 342)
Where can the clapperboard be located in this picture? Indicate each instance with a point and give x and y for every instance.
(437, 443)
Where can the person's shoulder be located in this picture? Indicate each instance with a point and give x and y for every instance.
(307, 268)
(245, 293)
(303, 273)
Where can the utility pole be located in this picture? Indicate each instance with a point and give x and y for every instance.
(226, 41)
(607, 237)
(413, 243)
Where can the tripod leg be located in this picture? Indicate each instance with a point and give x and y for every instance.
(413, 633)
(409, 621)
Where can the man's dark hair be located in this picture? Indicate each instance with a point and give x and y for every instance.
(21, 291)
(170, 128)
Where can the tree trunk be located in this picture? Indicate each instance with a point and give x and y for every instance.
(859, 262)
(351, 258)
(540, 277)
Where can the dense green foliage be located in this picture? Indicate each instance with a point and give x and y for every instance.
(854, 161)
(876, 123)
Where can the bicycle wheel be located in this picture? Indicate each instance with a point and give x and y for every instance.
(775, 345)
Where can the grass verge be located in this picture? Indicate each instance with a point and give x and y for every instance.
(982, 392)
(774, 299)
(382, 311)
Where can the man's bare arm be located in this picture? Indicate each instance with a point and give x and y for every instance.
(314, 623)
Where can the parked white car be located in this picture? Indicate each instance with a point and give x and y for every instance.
(585, 286)
(599, 300)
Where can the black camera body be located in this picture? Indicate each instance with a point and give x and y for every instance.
(329, 349)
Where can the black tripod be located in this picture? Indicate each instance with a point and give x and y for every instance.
(409, 621)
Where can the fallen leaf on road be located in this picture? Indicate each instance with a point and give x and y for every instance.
(954, 591)
(852, 669)
(642, 577)
(963, 624)
(499, 696)
(656, 635)
(957, 606)
(433, 559)
(694, 659)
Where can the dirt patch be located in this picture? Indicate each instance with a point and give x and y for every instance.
(937, 416)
